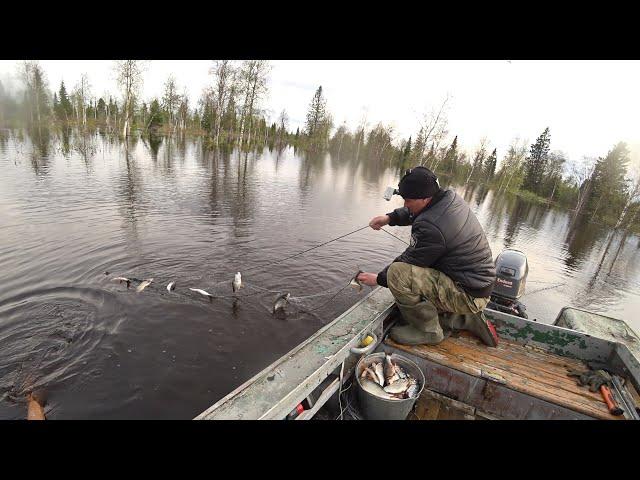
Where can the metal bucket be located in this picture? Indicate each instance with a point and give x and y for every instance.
(376, 408)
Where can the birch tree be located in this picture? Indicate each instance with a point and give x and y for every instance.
(35, 83)
(283, 122)
(254, 75)
(434, 127)
(224, 73)
(170, 100)
(129, 77)
(81, 94)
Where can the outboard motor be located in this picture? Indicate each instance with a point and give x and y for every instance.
(511, 276)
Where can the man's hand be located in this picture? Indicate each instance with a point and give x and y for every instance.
(370, 279)
(378, 222)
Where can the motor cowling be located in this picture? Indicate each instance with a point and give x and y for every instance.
(512, 269)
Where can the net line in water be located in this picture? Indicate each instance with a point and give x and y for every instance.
(305, 251)
(287, 258)
(256, 287)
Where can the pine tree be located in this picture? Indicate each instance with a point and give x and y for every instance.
(407, 150)
(451, 158)
(418, 148)
(317, 120)
(490, 165)
(56, 105)
(536, 162)
(102, 107)
(155, 114)
(66, 110)
(608, 181)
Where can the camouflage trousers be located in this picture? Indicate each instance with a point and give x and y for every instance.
(410, 285)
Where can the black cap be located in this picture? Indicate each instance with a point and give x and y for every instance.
(418, 182)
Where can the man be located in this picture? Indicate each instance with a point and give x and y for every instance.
(448, 267)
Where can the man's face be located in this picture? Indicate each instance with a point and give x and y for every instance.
(415, 205)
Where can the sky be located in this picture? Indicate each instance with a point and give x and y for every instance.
(588, 106)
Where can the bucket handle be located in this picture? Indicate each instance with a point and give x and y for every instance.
(368, 349)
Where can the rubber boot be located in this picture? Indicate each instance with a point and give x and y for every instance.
(475, 323)
(424, 327)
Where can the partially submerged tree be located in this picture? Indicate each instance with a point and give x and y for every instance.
(129, 76)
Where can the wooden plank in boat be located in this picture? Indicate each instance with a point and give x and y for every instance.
(520, 370)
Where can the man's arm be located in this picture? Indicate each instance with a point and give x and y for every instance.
(428, 246)
(400, 217)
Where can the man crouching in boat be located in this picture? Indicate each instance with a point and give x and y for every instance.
(448, 267)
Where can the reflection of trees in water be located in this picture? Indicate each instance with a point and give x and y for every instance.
(469, 190)
(279, 154)
(519, 212)
(129, 188)
(611, 274)
(621, 244)
(83, 144)
(153, 143)
(232, 186)
(40, 140)
(4, 137)
(341, 160)
(537, 214)
(372, 172)
(580, 239)
(181, 148)
(481, 196)
(311, 164)
(65, 140)
(497, 206)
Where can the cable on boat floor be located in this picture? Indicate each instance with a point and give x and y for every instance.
(533, 372)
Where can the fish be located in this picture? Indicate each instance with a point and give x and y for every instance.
(281, 301)
(237, 282)
(400, 371)
(35, 411)
(379, 371)
(374, 389)
(369, 374)
(171, 286)
(202, 292)
(413, 389)
(122, 279)
(144, 285)
(355, 283)
(390, 372)
(399, 386)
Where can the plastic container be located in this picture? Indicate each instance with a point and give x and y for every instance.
(373, 407)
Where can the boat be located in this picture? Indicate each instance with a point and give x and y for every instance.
(525, 377)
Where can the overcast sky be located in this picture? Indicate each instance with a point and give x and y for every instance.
(588, 105)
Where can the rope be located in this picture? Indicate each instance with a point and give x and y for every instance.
(545, 288)
(263, 289)
(394, 236)
(297, 297)
(305, 251)
(315, 295)
(334, 296)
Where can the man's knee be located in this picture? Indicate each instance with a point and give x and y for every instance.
(399, 277)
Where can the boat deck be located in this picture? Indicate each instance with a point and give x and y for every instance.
(529, 371)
